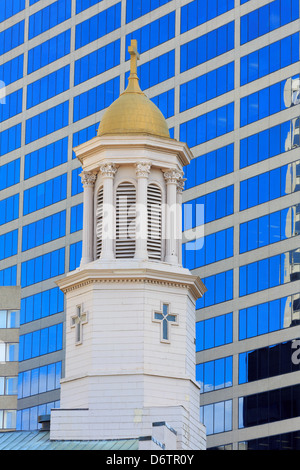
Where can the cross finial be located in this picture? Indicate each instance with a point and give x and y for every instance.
(134, 57)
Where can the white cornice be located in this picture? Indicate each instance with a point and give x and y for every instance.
(163, 152)
(179, 278)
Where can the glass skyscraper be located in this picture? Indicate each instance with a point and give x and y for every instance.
(225, 74)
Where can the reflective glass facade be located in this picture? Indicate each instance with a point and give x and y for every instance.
(225, 76)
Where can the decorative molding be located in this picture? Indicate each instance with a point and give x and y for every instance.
(143, 169)
(108, 170)
(120, 374)
(192, 285)
(173, 176)
(88, 178)
(120, 281)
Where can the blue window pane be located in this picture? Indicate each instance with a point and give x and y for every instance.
(12, 70)
(42, 267)
(9, 8)
(274, 271)
(76, 182)
(207, 46)
(47, 122)
(10, 139)
(251, 322)
(264, 104)
(275, 56)
(48, 86)
(263, 274)
(264, 20)
(44, 230)
(82, 5)
(153, 34)
(49, 17)
(263, 319)
(275, 180)
(219, 330)
(8, 276)
(267, 18)
(97, 26)
(49, 51)
(12, 37)
(38, 197)
(9, 209)
(76, 218)
(209, 334)
(274, 315)
(271, 142)
(41, 305)
(206, 87)
(199, 336)
(165, 102)
(252, 277)
(97, 62)
(99, 98)
(275, 14)
(199, 11)
(9, 174)
(253, 25)
(13, 105)
(75, 255)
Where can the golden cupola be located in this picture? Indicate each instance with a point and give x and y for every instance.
(133, 112)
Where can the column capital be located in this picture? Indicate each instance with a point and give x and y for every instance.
(108, 170)
(173, 176)
(180, 185)
(88, 178)
(143, 169)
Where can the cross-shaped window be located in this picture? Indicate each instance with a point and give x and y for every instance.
(77, 321)
(165, 319)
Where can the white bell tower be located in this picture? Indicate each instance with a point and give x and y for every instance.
(130, 306)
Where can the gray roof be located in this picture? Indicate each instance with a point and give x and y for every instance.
(40, 440)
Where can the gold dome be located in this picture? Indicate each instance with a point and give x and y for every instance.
(133, 112)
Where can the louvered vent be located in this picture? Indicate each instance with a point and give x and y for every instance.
(99, 222)
(125, 220)
(154, 208)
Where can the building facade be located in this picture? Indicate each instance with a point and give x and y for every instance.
(10, 297)
(225, 75)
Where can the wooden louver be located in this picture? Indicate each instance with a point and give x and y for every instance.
(125, 220)
(154, 208)
(99, 222)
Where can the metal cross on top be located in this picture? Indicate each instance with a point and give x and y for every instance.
(77, 321)
(134, 57)
(165, 318)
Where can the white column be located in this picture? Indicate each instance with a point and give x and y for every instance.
(108, 171)
(142, 172)
(88, 181)
(172, 177)
(180, 186)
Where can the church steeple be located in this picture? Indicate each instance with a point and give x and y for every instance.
(134, 208)
(130, 306)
